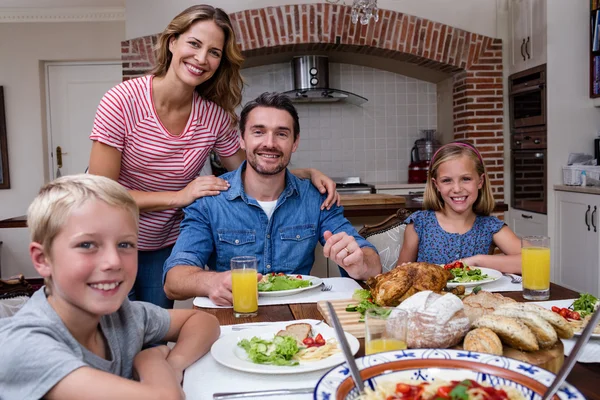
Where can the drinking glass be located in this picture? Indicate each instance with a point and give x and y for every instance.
(535, 265)
(385, 329)
(244, 286)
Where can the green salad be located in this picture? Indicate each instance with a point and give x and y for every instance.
(363, 296)
(277, 282)
(278, 351)
(585, 304)
(467, 274)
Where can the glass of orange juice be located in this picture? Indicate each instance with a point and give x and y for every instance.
(535, 265)
(244, 286)
(385, 329)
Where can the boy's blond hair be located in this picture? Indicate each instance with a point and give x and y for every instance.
(432, 199)
(56, 200)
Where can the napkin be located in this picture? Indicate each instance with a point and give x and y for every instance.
(503, 284)
(206, 376)
(341, 288)
(591, 353)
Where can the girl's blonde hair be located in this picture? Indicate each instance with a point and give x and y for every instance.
(49, 211)
(224, 88)
(432, 199)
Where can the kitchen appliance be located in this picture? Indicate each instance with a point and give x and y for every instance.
(421, 155)
(529, 171)
(597, 150)
(527, 98)
(352, 185)
(311, 83)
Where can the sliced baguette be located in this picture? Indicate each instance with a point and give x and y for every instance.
(510, 330)
(483, 340)
(543, 331)
(561, 325)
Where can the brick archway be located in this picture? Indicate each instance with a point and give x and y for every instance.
(474, 60)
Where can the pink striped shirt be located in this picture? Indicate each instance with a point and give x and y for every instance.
(153, 160)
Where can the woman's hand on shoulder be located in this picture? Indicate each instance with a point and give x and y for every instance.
(202, 186)
(323, 183)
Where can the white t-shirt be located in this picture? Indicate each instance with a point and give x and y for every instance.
(268, 207)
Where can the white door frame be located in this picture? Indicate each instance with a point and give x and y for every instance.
(47, 65)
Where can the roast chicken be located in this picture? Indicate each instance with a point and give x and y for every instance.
(393, 287)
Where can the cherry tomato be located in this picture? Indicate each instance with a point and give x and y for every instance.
(574, 315)
(556, 309)
(444, 392)
(298, 276)
(319, 340)
(309, 341)
(564, 312)
(402, 388)
(458, 264)
(448, 266)
(272, 273)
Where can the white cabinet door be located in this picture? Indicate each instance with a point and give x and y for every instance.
(537, 46)
(519, 29)
(525, 223)
(578, 256)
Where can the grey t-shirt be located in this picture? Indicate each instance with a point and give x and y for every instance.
(37, 351)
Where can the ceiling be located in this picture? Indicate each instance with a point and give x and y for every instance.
(60, 3)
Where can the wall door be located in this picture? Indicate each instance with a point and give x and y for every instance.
(73, 92)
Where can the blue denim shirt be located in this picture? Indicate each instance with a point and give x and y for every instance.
(217, 228)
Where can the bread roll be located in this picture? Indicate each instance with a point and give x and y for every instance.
(483, 340)
(434, 320)
(543, 331)
(511, 331)
(560, 325)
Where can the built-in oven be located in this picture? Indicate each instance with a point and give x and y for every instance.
(527, 98)
(529, 171)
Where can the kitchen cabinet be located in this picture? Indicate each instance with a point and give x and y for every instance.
(526, 223)
(578, 241)
(527, 34)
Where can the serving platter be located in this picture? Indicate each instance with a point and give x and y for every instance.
(445, 364)
(493, 276)
(227, 352)
(278, 293)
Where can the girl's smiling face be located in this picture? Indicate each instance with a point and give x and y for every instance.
(458, 183)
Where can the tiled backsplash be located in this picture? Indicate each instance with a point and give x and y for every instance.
(372, 140)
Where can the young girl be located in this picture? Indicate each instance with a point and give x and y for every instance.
(456, 223)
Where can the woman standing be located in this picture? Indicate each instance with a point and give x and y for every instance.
(153, 134)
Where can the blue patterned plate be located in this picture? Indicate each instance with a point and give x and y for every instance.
(431, 364)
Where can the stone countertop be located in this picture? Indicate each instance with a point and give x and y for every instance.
(578, 189)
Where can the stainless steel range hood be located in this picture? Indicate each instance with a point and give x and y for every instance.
(311, 83)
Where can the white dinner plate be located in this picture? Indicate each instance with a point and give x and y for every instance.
(315, 282)
(493, 275)
(227, 352)
(564, 303)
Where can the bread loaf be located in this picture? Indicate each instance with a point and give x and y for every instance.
(510, 330)
(562, 327)
(543, 331)
(434, 320)
(483, 340)
(482, 303)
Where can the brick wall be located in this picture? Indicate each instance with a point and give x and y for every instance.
(476, 60)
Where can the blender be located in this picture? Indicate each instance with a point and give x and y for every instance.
(421, 155)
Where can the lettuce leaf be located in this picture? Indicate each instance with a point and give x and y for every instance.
(279, 351)
(274, 283)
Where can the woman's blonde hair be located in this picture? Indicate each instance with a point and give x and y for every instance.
(224, 88)
(432, 199)
(56, 201)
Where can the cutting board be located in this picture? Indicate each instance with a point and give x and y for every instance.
(550, 359)
(370, 199)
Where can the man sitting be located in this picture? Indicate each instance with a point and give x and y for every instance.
(267, 212)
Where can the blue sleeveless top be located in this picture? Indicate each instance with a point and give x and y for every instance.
(437, 246)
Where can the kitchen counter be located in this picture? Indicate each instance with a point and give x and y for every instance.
(385, 185)
(377, 208)
(578, 189)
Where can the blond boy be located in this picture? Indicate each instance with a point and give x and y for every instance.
(80, 337)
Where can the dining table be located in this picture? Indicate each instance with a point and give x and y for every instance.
(584, 376)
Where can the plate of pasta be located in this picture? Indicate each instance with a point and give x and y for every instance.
(300, 347)
(428, 374)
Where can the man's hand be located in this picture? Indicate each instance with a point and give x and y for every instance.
(220, 288)
(345, 252)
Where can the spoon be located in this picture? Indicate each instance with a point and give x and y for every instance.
(341, 336)
(570, 362)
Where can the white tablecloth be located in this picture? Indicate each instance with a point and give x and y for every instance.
(503, 284)
(341, 288)
(206, 377)
(591, 353)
